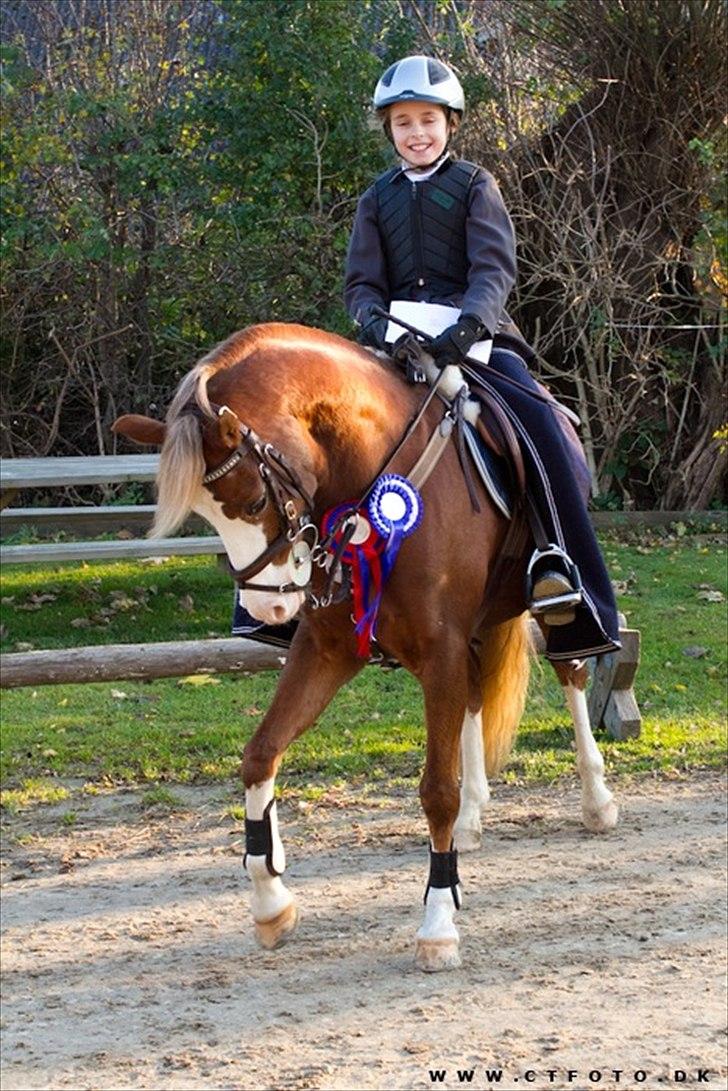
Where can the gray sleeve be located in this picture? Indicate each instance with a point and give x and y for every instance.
(491, 250)
(365, 280)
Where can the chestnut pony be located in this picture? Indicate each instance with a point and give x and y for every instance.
(274, 427)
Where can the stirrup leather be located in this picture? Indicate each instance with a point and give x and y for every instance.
(568, 598)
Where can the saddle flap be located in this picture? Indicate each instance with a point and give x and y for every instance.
(492, 469)
(499, 435)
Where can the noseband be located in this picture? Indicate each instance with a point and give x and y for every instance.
(283, 488)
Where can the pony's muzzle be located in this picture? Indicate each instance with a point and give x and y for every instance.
(269, 608)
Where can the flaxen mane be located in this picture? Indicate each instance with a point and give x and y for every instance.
(182, 466)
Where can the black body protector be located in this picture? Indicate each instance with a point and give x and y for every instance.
(422, 227)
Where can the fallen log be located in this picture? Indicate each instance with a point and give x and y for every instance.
(117, 662)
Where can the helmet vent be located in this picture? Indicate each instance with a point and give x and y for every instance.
(388, 76)
(437, 71)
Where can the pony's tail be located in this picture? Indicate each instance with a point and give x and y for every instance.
(504, 673)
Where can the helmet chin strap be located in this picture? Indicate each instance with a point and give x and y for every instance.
(428, 166)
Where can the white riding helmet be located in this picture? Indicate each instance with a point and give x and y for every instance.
(421, 79)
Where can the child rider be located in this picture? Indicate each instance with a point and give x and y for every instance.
(434, 230)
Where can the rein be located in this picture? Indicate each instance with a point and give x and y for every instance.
(537, 395)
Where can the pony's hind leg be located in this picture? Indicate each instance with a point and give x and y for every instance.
(310, 679)
(474, 790)
(497, 681)
(599, 809)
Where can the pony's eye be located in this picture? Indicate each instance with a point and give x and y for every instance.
(257, 505)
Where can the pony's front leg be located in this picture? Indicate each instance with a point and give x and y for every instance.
(274, 910)
(310, 679)
(599, 810)
(445, 687)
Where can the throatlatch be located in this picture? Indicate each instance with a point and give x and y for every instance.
(259, 839)
(444, 874)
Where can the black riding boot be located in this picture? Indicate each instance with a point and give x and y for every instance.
(570, 560)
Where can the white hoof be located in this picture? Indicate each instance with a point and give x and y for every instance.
(600, 819)
(433, 955)
(277, 931)
(467, 838)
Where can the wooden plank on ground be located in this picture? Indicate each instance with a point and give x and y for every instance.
(615, 673)
(126, 662)
(621, 716)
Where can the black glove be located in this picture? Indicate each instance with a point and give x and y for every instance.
(408, 353)
(454, 343)
(405, 347)
(373, 331)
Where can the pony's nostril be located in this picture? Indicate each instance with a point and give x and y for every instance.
(279, 613)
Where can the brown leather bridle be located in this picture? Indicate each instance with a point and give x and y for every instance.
(285, 490)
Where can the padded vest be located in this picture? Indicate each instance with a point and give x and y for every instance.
(422, 225)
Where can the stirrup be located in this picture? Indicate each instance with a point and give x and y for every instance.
(561, 602)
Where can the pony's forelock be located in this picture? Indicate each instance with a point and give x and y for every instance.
(179, 480)
(192, 391)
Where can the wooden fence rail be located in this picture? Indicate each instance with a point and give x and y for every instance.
(612, 703)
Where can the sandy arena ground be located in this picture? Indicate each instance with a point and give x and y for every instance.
(129, 959)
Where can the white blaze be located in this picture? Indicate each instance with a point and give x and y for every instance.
(244, 542)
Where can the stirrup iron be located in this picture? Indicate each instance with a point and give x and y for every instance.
(566, 567)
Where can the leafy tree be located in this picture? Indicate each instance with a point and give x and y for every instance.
(173, 170)
(99, 164)
(288, 114)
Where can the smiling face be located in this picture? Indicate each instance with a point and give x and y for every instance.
(420, 131)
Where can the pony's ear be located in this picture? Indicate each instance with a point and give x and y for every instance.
(229, 428)
(140, 429)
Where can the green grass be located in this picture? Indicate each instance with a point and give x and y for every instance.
(160, 799)
(124, 602)
(164, 732)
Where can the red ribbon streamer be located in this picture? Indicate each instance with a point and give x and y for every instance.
(366, 575)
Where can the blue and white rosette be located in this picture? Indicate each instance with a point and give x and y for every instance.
(395, 512)
(395, 506)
